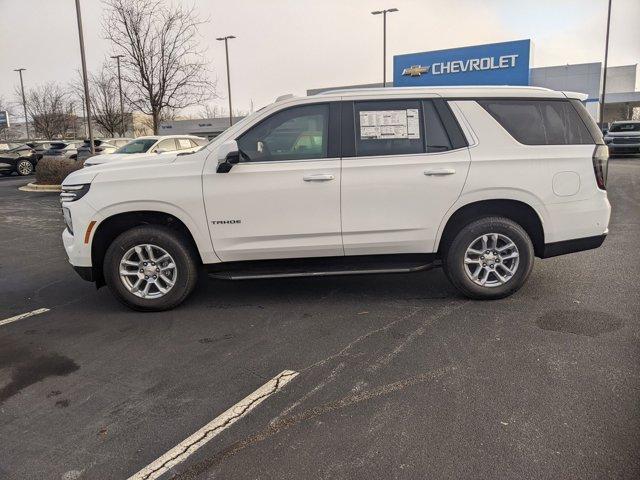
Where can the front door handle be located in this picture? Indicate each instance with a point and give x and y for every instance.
(318, 177)
(439, 172)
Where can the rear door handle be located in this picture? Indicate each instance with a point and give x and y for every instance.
(439, 172)
(318, 177)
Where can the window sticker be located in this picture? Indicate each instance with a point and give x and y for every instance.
(389, 124)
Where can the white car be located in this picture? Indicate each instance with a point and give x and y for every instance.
(479, 180)
(143, 146)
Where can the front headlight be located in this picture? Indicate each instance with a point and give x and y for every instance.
(71, 193)
(67, 219)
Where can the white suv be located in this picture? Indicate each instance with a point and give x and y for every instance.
(479, 180)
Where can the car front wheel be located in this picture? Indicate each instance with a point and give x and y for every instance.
(150, 268)
(24, 168)
(489, 258)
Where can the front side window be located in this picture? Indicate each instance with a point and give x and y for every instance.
(539, 122)
(296, 133)
(168, 145)
(137, 146)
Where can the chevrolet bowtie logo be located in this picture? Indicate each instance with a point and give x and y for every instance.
(415, 70)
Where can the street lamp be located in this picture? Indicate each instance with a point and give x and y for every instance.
(606, 58)
(118, 57)
(226, 49)
(24, 101)
(84, 76)
(384, 41)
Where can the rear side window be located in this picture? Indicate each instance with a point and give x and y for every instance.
(540, 122)
(625, 127)
(389, 128)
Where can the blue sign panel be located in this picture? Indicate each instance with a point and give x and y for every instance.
(504, 63)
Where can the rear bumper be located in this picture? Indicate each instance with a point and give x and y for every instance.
(571, 246)
(623, 149)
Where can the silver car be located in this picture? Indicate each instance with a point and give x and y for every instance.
(102, 145)
(62, 149)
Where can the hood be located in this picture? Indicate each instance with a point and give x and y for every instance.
(113, 157)
(89, 173)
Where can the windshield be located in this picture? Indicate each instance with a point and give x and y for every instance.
(625, 127)
(137, 146)
(20, 147)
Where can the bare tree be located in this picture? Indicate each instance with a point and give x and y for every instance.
(49, 107)
(105, 102)
(163, 65)
(210, 111)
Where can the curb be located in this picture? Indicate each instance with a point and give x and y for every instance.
(32, 187)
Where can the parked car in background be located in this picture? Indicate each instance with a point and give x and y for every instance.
(39, 146)
(142, 146)
(102, 145)
(623, 138)
(5, 146)
(63, 149)
(21, 159)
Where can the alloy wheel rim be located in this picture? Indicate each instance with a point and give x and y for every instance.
(491, 260)
(148, 271)
(24, 168)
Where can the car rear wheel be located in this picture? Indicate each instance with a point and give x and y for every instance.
(150, 268)
(489, 258)
(24, 168)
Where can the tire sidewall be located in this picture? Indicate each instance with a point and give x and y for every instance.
(162, 237)
(454, 258)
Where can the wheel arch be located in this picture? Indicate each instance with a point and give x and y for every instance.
(112, 226)
(516, 210)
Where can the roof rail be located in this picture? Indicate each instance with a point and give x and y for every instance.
(284, 97)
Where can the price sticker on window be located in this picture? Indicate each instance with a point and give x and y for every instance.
(390, 124)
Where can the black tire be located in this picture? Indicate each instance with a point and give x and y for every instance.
(169, 240)
(24, 168)
(454, 258)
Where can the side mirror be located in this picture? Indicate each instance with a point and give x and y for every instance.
(161, 150)
(228, 156)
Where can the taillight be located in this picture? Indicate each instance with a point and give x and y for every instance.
(601, 165)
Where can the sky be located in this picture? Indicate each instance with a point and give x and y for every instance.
(289, 46)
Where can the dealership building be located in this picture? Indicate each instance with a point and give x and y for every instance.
(508, 63)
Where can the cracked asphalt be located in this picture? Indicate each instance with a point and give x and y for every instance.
(399, 376)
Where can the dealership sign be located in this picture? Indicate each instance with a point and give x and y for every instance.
(504, 63)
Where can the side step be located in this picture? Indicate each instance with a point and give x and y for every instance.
(317, 268)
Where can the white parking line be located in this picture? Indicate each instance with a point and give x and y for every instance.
(23, 315)
(191, 444)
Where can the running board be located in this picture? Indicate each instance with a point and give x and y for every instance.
(262, 274)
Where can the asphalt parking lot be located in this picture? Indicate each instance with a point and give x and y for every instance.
(397, 375)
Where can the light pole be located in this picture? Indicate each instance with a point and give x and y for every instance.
(226, 50)
(606, 59)
(118, 57)
(24, 101)
(84, 76)
(384, 41)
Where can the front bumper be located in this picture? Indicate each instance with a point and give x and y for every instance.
(86, 273)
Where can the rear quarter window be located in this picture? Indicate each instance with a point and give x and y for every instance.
(540, 122)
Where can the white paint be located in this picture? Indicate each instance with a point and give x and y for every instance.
(219, 424)
(6, 321)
